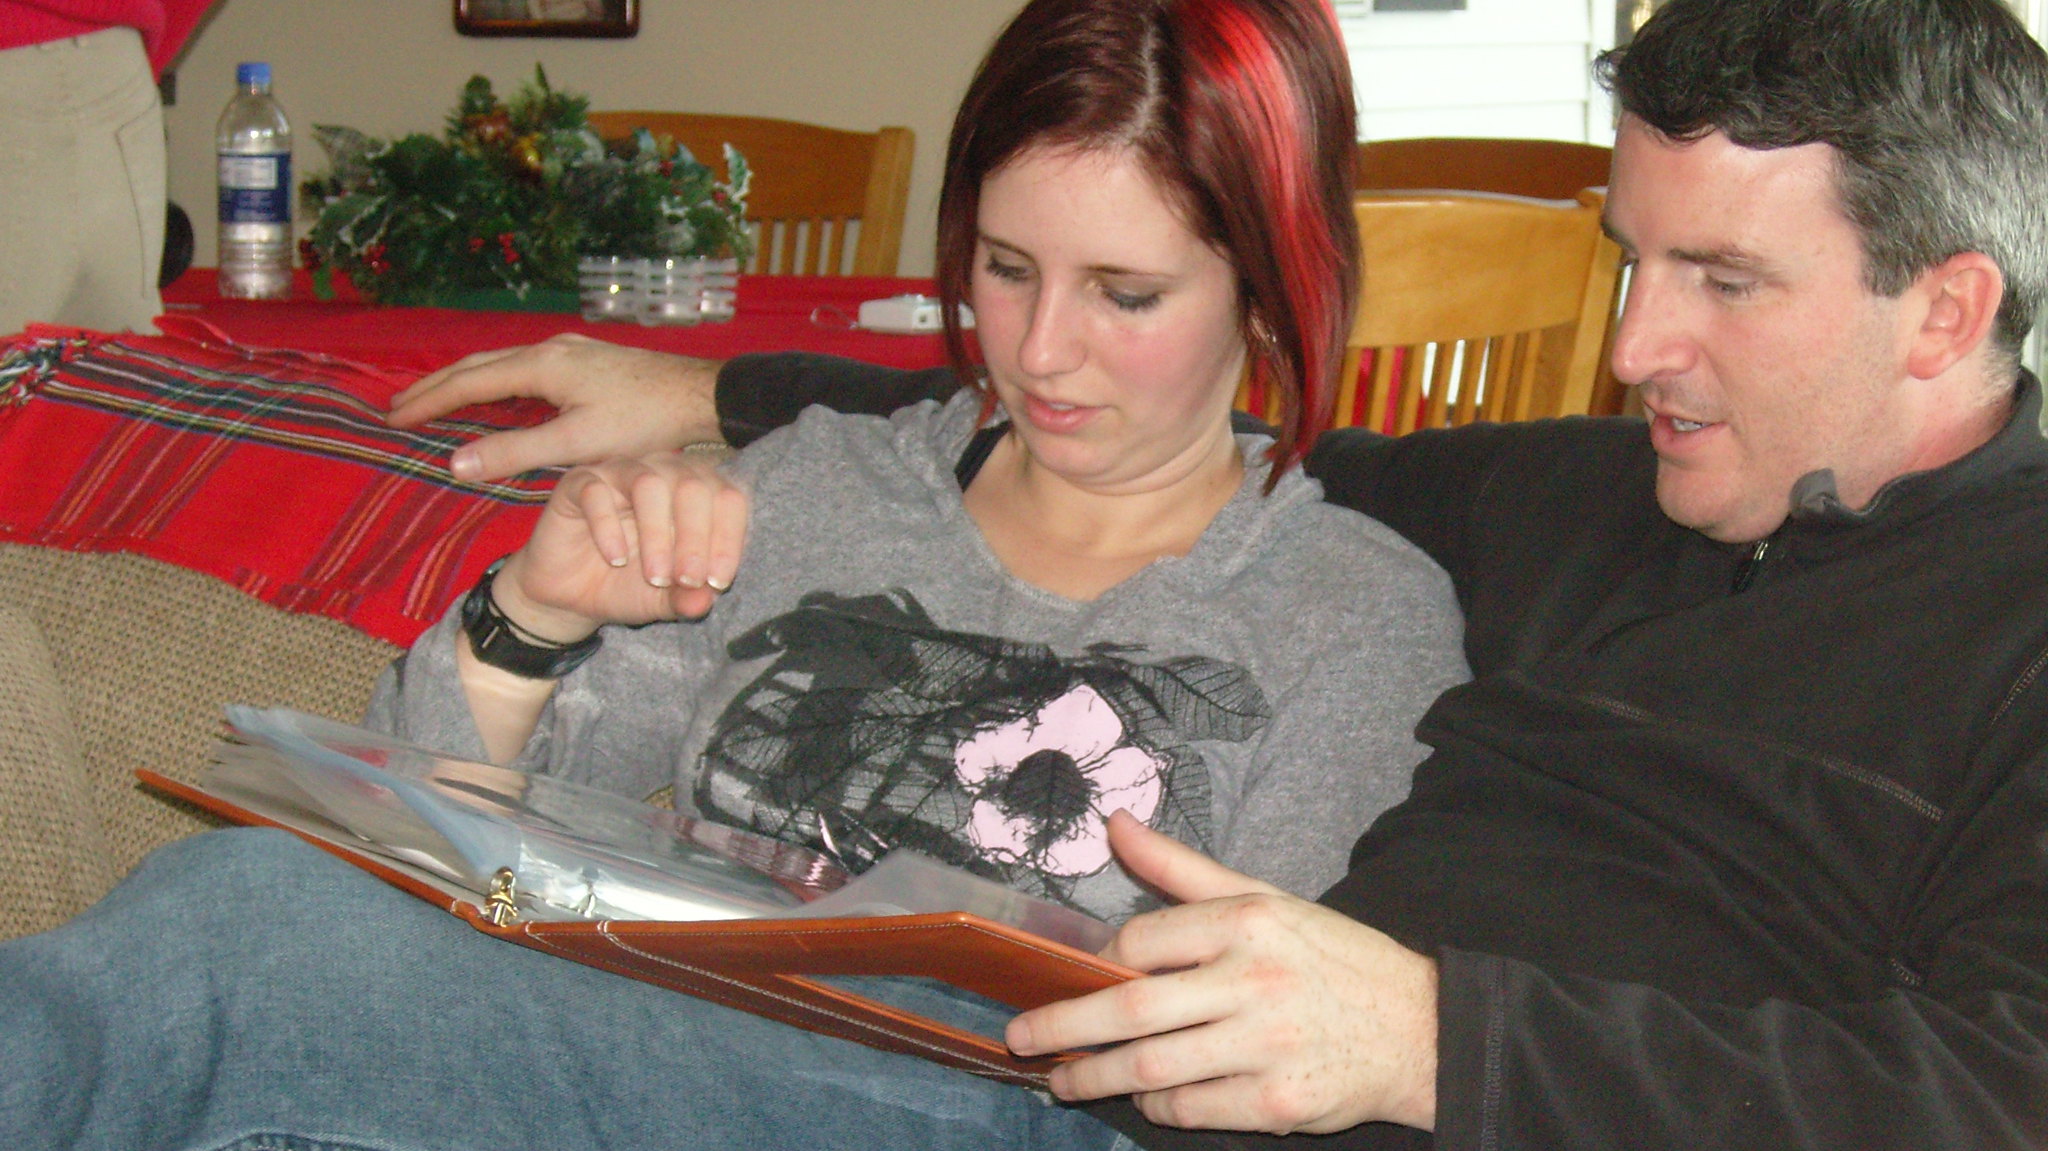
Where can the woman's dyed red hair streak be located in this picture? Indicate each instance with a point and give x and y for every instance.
(1254, 102)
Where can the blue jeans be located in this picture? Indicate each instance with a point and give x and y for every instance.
(242, 990)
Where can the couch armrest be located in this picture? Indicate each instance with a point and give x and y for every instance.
(53, 852)
(147, 655)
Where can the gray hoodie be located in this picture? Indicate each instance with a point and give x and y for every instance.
(876, 678)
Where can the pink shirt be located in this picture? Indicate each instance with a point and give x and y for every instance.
(165, 24)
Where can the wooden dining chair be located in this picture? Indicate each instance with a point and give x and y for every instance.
(812, 185)
(1474, 307)
(1546, 169)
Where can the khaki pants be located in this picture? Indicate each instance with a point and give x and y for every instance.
(82, 196)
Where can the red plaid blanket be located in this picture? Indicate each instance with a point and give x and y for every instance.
(271, 469)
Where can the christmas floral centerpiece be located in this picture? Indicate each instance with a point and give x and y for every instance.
(506, 199)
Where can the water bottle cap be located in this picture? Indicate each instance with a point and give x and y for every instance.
(252, 73)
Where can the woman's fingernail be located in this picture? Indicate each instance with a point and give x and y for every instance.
(463, 464)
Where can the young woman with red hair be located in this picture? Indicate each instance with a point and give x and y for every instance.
(976, 629)
(1137, 205)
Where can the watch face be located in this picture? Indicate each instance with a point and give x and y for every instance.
(495, 643)
(477, 604)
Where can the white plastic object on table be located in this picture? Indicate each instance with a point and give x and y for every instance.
(908, 314)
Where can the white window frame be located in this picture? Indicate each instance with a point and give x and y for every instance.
(1357, 16)
(2034, 13)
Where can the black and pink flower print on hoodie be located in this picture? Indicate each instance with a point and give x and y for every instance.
(870, 728)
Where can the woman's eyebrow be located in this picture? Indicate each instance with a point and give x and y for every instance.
(1098, 269)
(1005, 245)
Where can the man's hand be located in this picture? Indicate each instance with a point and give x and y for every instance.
(1273, 1014)
(615, 401)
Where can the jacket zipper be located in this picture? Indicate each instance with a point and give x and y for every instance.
(1745, 575)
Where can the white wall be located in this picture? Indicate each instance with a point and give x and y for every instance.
(1497, 68)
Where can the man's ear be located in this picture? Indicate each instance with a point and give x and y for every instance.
(1959, 299)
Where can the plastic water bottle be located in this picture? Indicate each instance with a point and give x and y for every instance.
(253, 144)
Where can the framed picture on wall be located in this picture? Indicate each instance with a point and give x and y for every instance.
(615, 18)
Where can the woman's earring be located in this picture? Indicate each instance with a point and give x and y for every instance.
(1262, 335)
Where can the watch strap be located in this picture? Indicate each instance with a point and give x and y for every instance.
(498, 642)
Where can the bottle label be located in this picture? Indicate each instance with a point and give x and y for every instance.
(256, 189)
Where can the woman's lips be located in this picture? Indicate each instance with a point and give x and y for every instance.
(1049, 416)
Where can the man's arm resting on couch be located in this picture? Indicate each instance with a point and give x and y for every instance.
(616, 401)
(758, 393)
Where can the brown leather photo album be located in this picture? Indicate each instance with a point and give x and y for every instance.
(657, 896)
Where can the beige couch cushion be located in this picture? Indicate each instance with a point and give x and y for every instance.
(147, 655)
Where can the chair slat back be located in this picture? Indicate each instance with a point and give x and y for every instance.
(813, 186)
(1472, 308)
(1545, 169)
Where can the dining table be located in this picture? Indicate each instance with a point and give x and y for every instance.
(773, 313)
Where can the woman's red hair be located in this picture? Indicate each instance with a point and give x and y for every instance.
(1240, 109)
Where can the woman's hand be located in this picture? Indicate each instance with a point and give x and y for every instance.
(628, 541)
(615, 401)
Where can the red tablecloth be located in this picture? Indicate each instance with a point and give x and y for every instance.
(776, 313)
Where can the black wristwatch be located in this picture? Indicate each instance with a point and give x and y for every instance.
(502, 644)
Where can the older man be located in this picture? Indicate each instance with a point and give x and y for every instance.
(1737, 835)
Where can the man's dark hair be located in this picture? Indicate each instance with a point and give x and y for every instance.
(1937, 111)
